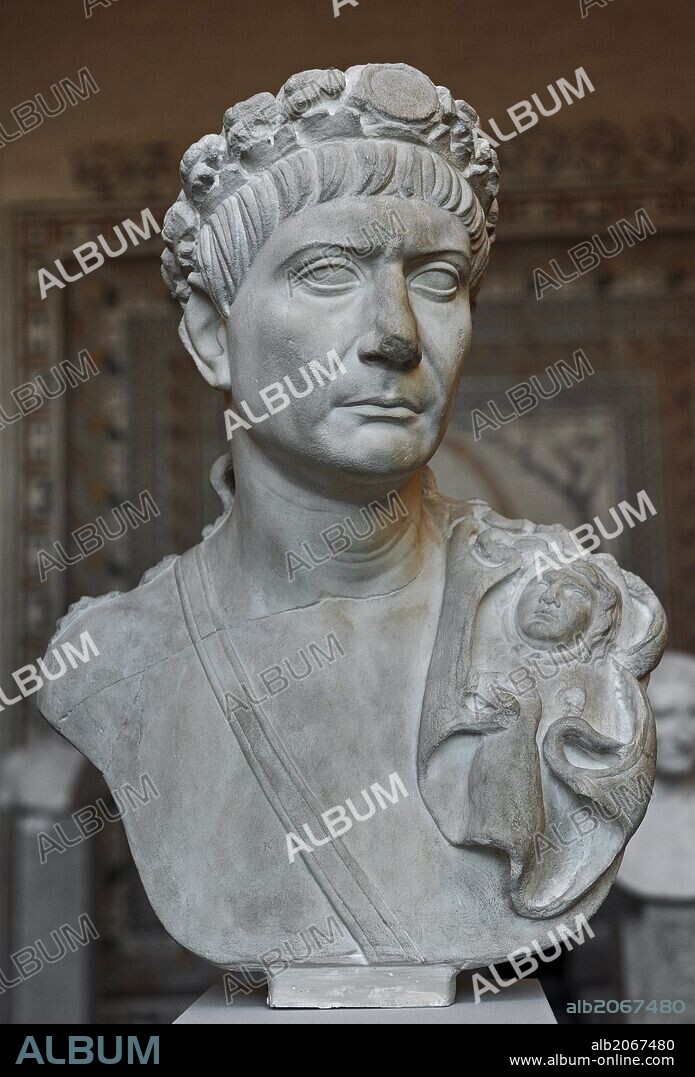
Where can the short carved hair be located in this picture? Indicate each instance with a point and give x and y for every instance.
(374, 129)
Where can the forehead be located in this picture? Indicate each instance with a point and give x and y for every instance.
(376, 223)
(568, 579)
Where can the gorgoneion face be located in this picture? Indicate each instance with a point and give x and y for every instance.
(556, 609)
(396, 312)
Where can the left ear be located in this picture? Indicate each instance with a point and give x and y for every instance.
(204, 335)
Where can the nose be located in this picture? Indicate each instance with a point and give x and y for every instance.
(392, 337)
(549, 596)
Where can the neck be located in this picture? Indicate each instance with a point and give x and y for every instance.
(289, 544)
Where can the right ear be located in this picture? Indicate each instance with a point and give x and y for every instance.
(204, 335)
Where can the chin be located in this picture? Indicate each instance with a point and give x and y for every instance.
(381, 470)
(410, 443)
(383, 461)
(541, 633)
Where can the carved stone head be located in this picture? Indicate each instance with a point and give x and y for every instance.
(569, 605)
(353, 213)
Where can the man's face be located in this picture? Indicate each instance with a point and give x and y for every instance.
(556, 609)
(673, 702)
(398, 316)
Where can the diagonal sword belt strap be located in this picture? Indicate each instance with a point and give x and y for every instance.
(345, 884)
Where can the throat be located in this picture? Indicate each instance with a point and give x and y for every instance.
(286, 548)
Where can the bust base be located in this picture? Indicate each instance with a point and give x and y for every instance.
(363, 986)
(521, 1003)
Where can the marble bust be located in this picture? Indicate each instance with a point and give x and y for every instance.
(659, 862)
(359, 701)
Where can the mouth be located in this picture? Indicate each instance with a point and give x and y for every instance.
(379, 407)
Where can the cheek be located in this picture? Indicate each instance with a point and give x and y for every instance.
(290, 332)
(264, 345)
(446, 334)
(527, 603)
(466, 328)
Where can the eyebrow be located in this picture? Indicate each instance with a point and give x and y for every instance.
(319, 247)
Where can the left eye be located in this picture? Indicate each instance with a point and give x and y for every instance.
(438, 280)
(329, 276)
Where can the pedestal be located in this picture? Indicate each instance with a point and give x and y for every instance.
(521, 1003)
(362, 986)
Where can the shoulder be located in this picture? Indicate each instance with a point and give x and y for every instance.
(495, 538)
(485, 524)
(112, 643)
(630, 614)
(105, 644)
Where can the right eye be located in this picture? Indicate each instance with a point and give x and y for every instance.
(328, 275)
(440, 280)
